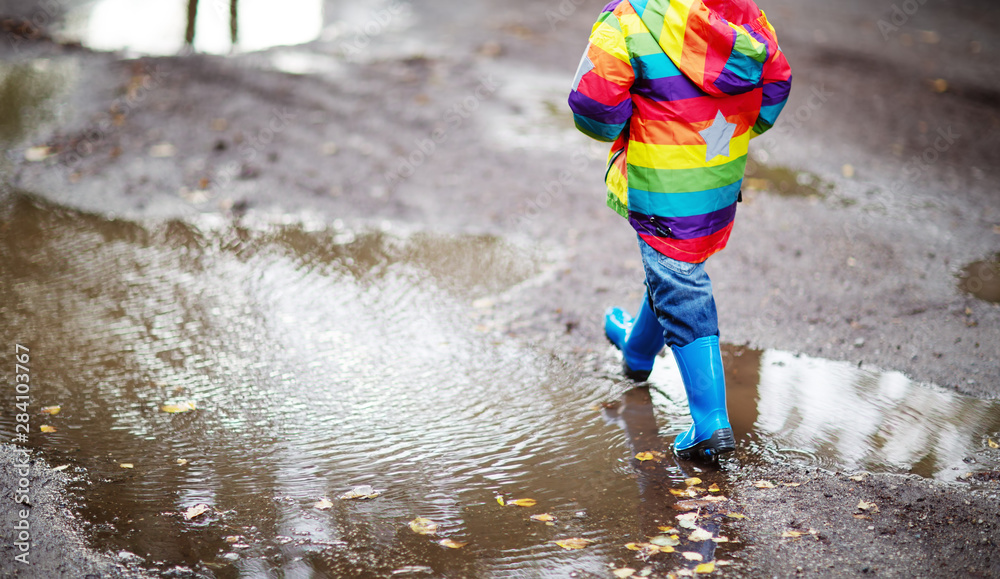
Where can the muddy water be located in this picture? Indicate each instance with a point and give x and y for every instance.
(841, 417)
(320, 359)
(982, 279)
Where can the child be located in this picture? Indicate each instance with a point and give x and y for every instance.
(680, 87)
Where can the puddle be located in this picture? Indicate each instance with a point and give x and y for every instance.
(841, 417)
(159, 27)
(982, 279)
(29, 92)
(784, 181)
(321, 359)
(318, 361)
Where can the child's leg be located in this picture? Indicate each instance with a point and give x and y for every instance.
(681, 296)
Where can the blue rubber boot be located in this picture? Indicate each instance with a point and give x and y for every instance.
(639, 339)
(700, 363)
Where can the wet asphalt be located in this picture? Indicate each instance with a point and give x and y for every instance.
(894, 129)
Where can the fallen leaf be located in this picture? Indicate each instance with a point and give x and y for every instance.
(792, 485)
(500, 500)
(451, 544)
(705, 568)
(61, 468)
(127, 465)
(196, 511)
(423, 526)
(51, 410)
(686, 524)
(699, 535)
(323, 504)
(665, 540)
(574, 543)
(668, 530)
(735, 516)
(36, 154)
(858, 477)
(178, 408)
(233, 539)
(763, 484)
(182, 461)
(693, 481)
(867, 506)
(623, 573)
(47, 428)
(679, 492)
(721, 539)
(523, 502)
(714, 488)
(644, 456)
(666, 549)
(688, 516)
(544, 517)
(792, 534)
(992, 443)
(361, 492)
(692, 556)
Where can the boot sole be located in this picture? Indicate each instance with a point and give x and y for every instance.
(721, 442)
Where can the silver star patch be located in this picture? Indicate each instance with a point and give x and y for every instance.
(717, 136)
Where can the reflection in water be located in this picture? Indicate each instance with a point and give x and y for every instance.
(982, 279)
(215, 26)
(319, 361)
(844, 417)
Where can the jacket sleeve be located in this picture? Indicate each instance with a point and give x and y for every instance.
(777, 80)
(720, 57)
(600, 99)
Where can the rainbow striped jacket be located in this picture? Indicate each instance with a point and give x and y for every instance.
(680, 87)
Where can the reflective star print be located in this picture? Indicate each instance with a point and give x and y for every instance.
(717, 137)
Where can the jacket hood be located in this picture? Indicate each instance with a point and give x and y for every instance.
(720, 45)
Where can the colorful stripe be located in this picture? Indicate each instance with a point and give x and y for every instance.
(671, 83)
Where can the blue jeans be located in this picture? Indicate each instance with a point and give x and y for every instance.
(681, 296)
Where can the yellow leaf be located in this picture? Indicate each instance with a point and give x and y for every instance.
(735, 516)
(178, 408)
(667, 549)
(127, 465)
(714, 488)
(705, 568)
(644, 456)
(574, 543)
(500, 500)
(692, 556)
(623, 573)
(182, 461)
(545, 518)
(665, 541)
(669, 530)
(423, 526)
(992, 443)
(451, 544)
(196, 511)
(763, 484)
(679, 492)
(47, 428)
(323, 504)
(792, 534)
(867, 506)
(51, 410)
(791, 485)
(721, 539)
(232, 539)
(632, 546)
(523, 502)
(692, 481)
